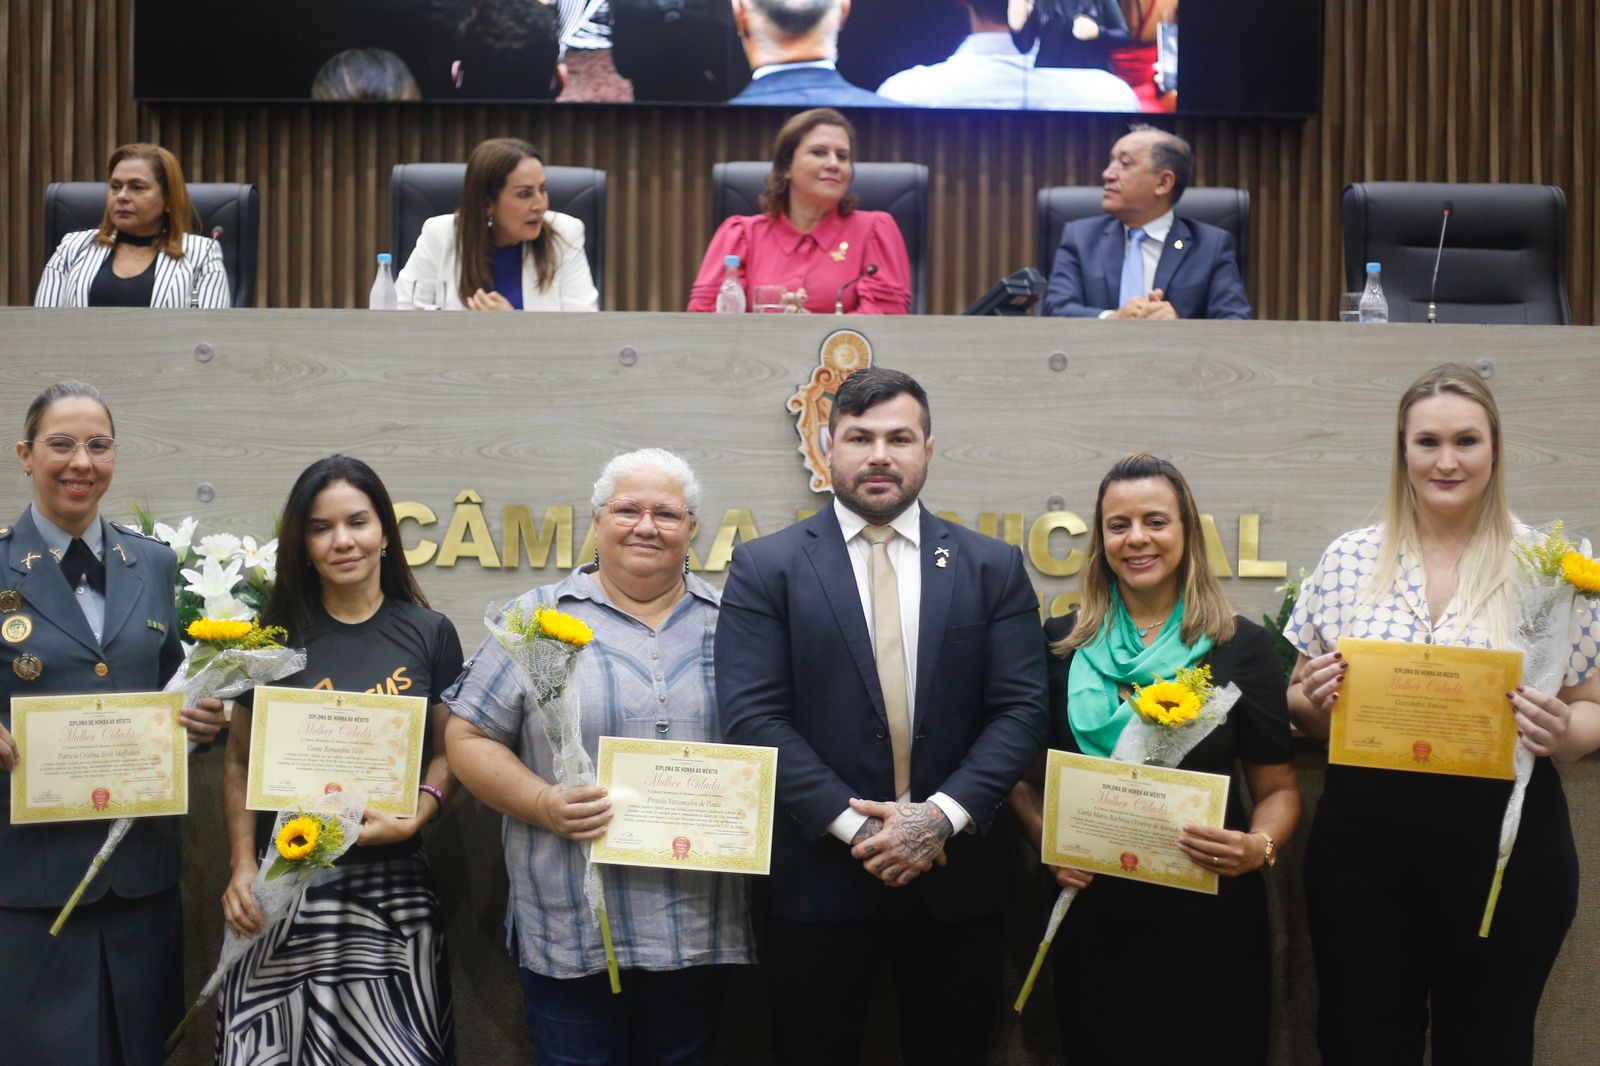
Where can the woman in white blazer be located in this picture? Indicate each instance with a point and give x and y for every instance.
(143, 254)
(503, 249)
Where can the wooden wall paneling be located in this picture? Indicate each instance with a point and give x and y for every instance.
(1479, 90)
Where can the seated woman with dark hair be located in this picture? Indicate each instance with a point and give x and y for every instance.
(143, 254)
(503, 249)
(809, 237)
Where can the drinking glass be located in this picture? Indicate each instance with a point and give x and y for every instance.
(769, 299)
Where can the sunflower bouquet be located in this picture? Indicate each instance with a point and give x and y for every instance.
(1170, 719)
(305, 839)
(1552, 572)
(545, 643)
(227, 658)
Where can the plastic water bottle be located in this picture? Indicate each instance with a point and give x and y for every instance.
(730, 298)
(382, 298)
(1374, 307)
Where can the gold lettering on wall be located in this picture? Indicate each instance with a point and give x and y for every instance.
(422, 514)
(1250, 562)
(1039, 543)
(1216, 554)
(736, 521)
(519, 529)
(988, 523)
(468, 534)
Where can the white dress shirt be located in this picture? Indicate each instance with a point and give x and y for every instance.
(906, 558)
(988, 71)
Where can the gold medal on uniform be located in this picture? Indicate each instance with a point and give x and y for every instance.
(10, 600)
(27, 666)
(16, 629)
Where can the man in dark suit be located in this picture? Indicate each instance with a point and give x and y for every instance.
(793, 49)
(896, 662)
(1145, 261)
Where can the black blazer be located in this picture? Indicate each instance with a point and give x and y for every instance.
(41, 865)
(1257, 729)
(809, 87)
(795, 671)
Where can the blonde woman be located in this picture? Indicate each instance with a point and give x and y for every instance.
(1399, 865)
(1151, 606)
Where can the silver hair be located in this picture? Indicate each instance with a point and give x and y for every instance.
(660, 459)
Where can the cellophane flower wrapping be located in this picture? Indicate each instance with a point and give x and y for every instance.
(546, 665)
(277, 897)
(1544, 604)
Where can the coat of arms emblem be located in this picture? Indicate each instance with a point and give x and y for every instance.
(843, 352)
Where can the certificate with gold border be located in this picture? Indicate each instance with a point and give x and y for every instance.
(1427, 708)
(1123, 820)
(686, 806)
(308, 742)
(87, 758)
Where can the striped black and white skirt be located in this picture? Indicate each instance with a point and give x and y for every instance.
(357, 974)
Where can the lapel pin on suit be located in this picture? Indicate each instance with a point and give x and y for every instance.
(941, 557)
(1177, 245)
(55, 553)
(118, 549)
(838, 254)
(10, 600)
(29, 559)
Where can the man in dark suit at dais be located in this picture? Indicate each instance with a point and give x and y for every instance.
(894, 660)
(1145, 260)
(793, 47)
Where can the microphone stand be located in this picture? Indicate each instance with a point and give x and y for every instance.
(1433, 312)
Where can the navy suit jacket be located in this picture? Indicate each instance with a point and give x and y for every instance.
(41, 864)
(811, 87)
(795, 671)
(1200, 279)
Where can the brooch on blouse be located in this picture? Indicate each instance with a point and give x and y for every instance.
(838, 254)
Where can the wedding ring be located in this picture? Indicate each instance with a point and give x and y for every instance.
(1216, 860)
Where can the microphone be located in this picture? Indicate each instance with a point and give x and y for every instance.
(866, 272)
(1433, 312)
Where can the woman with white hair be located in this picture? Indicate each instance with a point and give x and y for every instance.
(647, 673)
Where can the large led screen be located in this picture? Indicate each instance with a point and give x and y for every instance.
(1218, 57)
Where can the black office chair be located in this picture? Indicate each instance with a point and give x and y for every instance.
(233, 207)
(898, 188)
(418, 191)
(1505, 250)
(1219, 206)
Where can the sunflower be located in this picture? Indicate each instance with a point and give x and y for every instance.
(564, 627)
(1167, 703)
(219, 629)
(298, 838)
(1583, 573)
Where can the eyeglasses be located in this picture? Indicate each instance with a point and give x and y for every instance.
(628, 513)
(62, 447)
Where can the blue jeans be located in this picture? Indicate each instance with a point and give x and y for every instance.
(662, 1017)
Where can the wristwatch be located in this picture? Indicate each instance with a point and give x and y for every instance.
(1272, 847)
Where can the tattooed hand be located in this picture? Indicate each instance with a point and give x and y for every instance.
(900, 841)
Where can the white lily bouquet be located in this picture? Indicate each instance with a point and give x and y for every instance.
(306, 838)
(1552, 572)
(1170, 719)
(544, 643)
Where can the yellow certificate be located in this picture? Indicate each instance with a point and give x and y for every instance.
(1427, 708)
(308, 742)
(1123, 819)
(688, 806)
(123, 755)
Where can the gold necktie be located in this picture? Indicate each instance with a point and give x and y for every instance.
(889, 652)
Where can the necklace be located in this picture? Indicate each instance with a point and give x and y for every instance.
(1144, 631)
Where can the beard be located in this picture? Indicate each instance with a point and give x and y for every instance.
(882, 505)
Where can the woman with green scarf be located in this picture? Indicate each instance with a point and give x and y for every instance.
(1151, 606)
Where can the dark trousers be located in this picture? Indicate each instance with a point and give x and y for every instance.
(821, 975)
(1394, 925)
(108, 990)
(662, 1017)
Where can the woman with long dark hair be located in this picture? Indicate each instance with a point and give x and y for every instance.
(503, 249)
(359, 963)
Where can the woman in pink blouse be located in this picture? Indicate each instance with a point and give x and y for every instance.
(809, 236)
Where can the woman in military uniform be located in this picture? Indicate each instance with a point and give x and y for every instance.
(86, 606)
